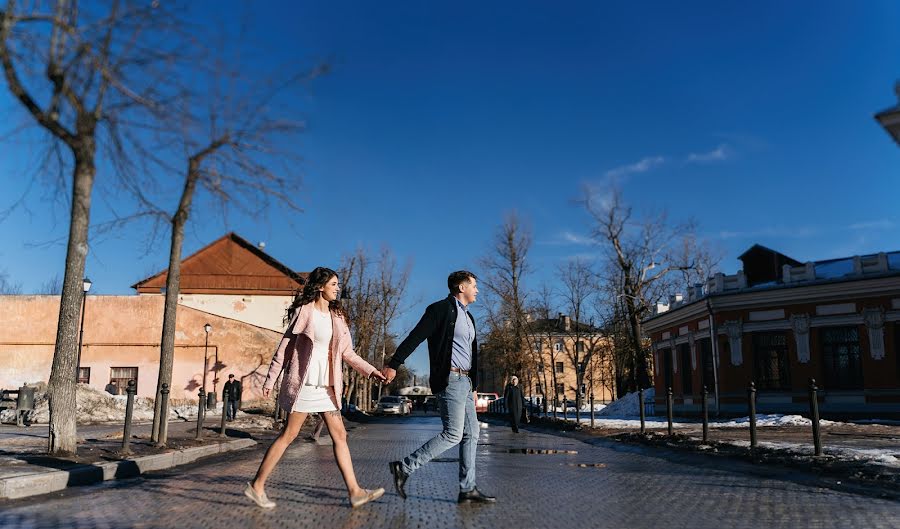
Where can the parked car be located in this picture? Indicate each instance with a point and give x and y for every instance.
(483, 399)
(391, 405)
(408, 403)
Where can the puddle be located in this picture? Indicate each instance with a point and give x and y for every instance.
(535, 451)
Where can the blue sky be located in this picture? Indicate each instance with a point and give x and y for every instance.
(439, 118)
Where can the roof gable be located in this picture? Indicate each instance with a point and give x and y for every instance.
(229, 265)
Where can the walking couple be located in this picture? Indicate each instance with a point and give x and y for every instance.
(311, 354)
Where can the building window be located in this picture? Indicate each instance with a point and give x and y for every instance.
(772, 364)
(560, 367)
(538, 346)
(539, 389)
(560, 389)
(668, 374)
(558, 346)
(84, 375)
(708, 372)
(119, 377)
(687, 383)
(840, 354)
(579, 347)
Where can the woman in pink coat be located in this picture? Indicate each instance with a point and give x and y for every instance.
(311, 353)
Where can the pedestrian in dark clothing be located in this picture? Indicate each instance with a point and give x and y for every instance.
(232, 393)
(515, 402)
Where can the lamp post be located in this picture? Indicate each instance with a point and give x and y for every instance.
(206, 328)
(890, 118)
(86, 285)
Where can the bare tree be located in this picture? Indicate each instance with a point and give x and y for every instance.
(231, 154)
(578, 287)
(7, 288)
(642, 256)
(86, 76)
(511, 344)
(392, 283)
(51, 287)
(360, 301)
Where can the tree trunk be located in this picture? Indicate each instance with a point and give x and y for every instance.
(173, 285)
(63, 374)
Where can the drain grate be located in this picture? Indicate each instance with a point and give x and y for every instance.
(539, 451)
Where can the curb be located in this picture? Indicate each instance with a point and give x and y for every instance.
(43, 482)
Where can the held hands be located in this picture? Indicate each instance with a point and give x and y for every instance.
(388, 374)
(377, 376)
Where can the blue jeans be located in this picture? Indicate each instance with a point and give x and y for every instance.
(457, 404)
(231, 409)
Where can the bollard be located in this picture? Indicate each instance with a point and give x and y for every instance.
(814, 410)
(163, 414)
(224, 412)
(592, 409)
(129, 409)
(200, 407)
(566, 409)
(751, 397)
(641, 406)
(669, 406)
(705, 415)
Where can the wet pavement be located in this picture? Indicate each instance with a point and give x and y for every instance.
(540, 480)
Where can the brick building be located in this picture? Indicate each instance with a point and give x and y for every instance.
(779, 323)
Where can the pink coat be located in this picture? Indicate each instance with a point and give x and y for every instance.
(295, 349)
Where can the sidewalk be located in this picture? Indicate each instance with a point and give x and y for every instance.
(25, 470)
(867, 453)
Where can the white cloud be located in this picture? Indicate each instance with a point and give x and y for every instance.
(641, 166)
(883, 224)
(567, 238)
(720, 153)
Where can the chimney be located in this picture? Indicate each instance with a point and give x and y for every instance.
(565, 322)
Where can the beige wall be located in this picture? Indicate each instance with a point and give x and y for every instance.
(263, 311)
(124, 331)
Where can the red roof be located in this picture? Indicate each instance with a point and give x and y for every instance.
(230, 265)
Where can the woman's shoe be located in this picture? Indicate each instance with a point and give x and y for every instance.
(260, 499)
(366, 497)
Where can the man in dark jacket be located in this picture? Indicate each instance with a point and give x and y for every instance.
(453, 352)
(515, 402)
(232, 397)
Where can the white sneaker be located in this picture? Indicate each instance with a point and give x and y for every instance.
(260, 499)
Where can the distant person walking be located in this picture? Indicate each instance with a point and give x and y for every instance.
(453, 352)
(232, 393)
(311, 354)
(515, 402)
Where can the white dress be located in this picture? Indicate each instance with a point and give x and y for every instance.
(316, 394)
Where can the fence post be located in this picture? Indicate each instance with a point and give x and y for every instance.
(669, 405)
(565, 409)
(641, 406)
(225, 395)
(814, 409)
(129, 410)
(164, 415)
(200, 414)
(705, 415)
(751, 396)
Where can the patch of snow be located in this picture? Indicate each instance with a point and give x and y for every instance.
(627, 406)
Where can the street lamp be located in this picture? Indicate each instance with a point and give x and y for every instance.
(890, 118)
(206, 328)
(86, 286)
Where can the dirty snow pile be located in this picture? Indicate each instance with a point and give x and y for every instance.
(627, 406)
(767, 420)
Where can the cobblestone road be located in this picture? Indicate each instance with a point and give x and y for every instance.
(615, 488)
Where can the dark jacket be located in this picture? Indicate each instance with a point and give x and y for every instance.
(437, 326)
(514, 399)
(232, 390)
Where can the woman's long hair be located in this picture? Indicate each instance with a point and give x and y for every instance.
(316, 280)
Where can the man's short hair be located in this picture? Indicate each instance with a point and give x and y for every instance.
(458, 278)
(231, 375)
